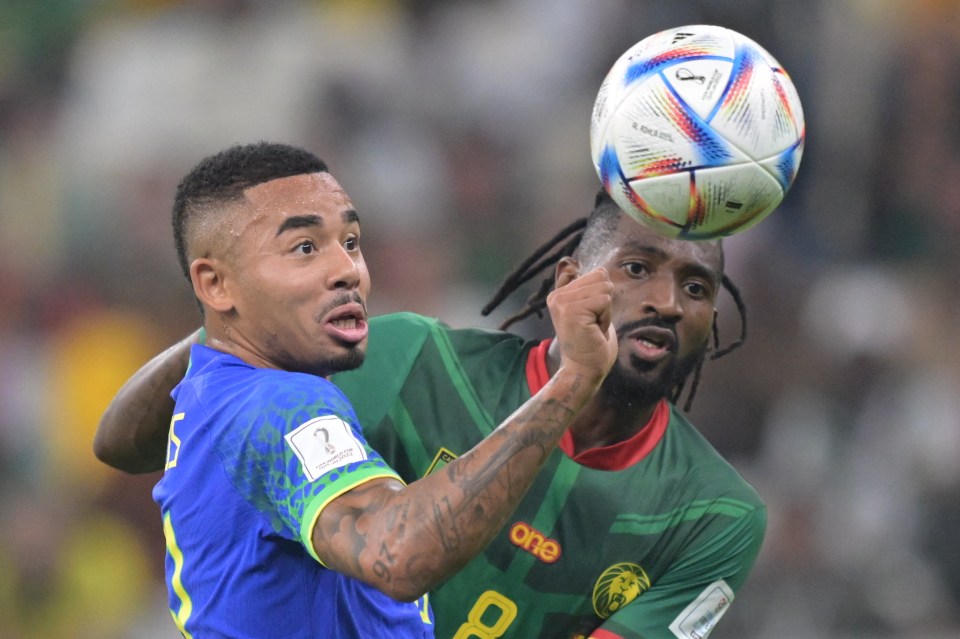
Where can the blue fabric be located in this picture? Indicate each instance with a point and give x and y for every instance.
(238, 507)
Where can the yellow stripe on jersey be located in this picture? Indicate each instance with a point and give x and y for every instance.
(186, 605)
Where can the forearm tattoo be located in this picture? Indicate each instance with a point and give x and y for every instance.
(407, 540)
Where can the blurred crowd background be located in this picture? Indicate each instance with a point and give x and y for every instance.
(460, 129)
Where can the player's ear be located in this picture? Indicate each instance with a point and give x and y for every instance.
(209, 285)
(568, 269)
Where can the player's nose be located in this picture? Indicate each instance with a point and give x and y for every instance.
(662, 297)
(343, 270)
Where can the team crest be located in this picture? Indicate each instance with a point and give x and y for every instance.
(442, 458)
(617, 586)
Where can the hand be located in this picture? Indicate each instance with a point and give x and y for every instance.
(580, 311)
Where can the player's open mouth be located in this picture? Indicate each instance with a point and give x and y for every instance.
(652, 343)
(347, 323)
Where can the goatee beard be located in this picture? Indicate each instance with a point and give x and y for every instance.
(622, 387)
(346, 361)
(350, 360)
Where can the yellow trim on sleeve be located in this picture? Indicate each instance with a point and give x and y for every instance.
(321, 501)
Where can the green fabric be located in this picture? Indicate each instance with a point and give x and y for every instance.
(638, 545)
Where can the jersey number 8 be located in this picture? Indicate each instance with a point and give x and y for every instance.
(490, 601)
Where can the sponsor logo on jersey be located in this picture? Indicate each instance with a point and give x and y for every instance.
(617, 586)
(526, 537)
(441, 459)
(699, 618)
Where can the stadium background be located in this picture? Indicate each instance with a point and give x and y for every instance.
(460, 130)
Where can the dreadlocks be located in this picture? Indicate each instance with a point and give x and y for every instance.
(586, 234)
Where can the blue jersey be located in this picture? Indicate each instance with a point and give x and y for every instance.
(254, 455)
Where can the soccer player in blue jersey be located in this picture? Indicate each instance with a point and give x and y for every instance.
(636, 528)
(280, 520)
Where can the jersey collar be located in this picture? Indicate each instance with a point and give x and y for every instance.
(616, 456)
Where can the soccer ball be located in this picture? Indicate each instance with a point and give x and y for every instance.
(697, 132)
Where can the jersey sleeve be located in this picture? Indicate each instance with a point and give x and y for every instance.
(293, 447)
(689, 600)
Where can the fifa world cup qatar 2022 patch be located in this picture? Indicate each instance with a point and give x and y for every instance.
(699, 618)
(324, 443)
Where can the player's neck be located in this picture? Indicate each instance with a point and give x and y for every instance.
(236, 344)
(605, 422)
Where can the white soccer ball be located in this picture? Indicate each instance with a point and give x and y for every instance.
(697, 132)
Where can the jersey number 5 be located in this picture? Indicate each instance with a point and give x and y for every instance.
(173, 443)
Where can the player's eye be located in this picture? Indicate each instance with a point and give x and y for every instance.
(636, 269)
(306, 247)
(697, 289)
(352, 243)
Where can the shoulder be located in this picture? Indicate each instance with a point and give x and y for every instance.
(437, 346)
(412, 325)
(405, 323)
(214, 370)
(236, 393)
(393, 344)
(424, 356)
(399, 340)
(288, 392)
(707, 468)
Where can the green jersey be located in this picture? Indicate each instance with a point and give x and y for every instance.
(646, 539)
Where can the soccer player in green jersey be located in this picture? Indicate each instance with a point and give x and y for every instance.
(636, 527)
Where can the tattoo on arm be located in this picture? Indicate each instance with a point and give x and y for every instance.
(405, 540)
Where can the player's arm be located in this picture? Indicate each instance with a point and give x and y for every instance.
(405, 540)
(132, 434)
(691, 598)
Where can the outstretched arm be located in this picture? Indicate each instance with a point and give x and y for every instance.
(132, 434)
(405, 540)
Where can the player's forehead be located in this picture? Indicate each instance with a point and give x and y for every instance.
(633, 237)
(298, 194)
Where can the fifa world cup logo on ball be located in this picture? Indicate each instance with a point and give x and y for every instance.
(686, 75)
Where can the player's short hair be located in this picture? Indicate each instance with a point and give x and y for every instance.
(600, 229)
(223, 177)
